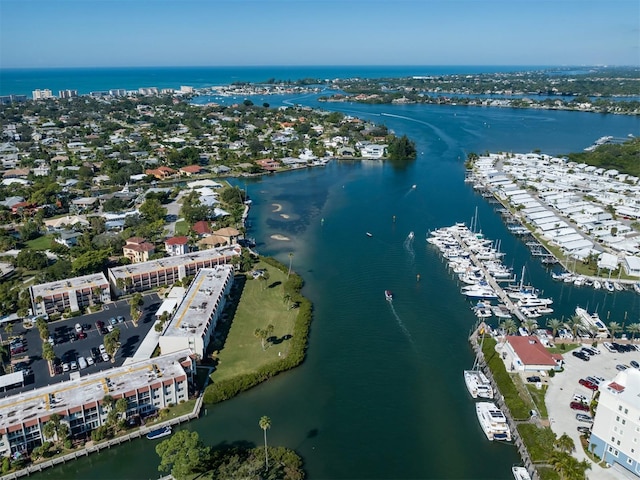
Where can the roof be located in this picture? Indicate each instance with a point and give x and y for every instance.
(227, 232)
(531, 351)
(201, 227)
(191, 169)
(182, 240)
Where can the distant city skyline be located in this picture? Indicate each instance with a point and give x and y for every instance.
(103, 33)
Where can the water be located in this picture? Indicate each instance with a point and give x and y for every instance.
(86, 80)
(381, 393)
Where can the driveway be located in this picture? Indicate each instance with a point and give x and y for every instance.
(562, 388)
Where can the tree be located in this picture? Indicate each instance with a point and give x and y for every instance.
(92, 261)
(401, 149)
(121, 407)
(633, 329)
(136, 303)
(152, 210)
(509, 326)
(614, 328)
(554, 324)
(265, 423)
(531, 325)
(48, 353)
(574, 323)
(31, 259)
(565, 443)
(183, 454)
(112, 343)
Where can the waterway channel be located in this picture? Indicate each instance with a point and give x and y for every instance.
(381, 393)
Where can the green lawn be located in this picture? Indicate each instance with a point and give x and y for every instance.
(262, 303)
(182, 227)
(40, 243)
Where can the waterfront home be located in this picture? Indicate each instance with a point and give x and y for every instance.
(162, 172)
(55, 224)
(268, 164)
(631, 265)
(529, 354)
(191, 170)
(68, 238)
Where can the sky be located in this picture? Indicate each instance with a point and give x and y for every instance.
(105, 33)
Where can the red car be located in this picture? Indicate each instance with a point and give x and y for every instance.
(588, 384)
(579, 406)
(81, 335)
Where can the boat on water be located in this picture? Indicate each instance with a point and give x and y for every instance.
(369, 234)
(493, 422)
(410, 236)
(636, 287)
(520, 473)
(414, 186)
(388, 295)
(593, 323)
(159, 433)
(476, 381)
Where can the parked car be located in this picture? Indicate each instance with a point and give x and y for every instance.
(113, 321)
(99, 325)
(621, 367)
(609, 347)
(580, 398)
(120, 319)
(66, 367)
(78, 328)
(634, 364)
(51, 341)
(106, 357)
(595, 380)
(81, 335)
(581, 417)
(101, 348)
(90, 361)
(95, 354)
(588, 384)
(584, 429)
(73, 364)
(594, 350)
(534, 379)
(82, 363)
(104, 330)
(579, 406)
(581, 355)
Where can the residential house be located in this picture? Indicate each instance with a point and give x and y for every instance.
(191, 170)
(177, 245)
(161, 173)
(68, 238)
(202, 228)
(137, 249)
(229, 233)
(268, 164)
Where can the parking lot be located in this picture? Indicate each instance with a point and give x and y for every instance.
(69, 348)
(564, 386)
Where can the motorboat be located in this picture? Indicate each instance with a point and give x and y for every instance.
(636, 287)
(493, 421)
(159, 433)
(482, 310)
(369, 234)
(501, 311)
(410, 236)
(388, 295)
(592, 322)
(520, 473)
(608, 286)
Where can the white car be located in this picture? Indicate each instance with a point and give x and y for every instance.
(89, 361)
(105, 357)
(65, 367)
(101, 348)
(609, 347)
(78, 328)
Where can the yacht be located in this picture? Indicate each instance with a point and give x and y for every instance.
(388, 295)
(520, 473)
(159, 433)
(493, 422)
(592, 321)
(476, 381)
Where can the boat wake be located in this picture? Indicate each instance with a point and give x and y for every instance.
(401, 324)
(408, 246)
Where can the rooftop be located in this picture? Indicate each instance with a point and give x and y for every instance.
(61, 286)
(199, 303)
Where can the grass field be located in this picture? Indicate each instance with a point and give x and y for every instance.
(40, 243)
(182, 227)
(261, 303)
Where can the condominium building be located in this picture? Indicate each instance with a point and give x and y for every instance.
(148, 386)
(140, 277)
(195, 320)
(72, 294)
(42, 94)
(615, 435)
(67, 93)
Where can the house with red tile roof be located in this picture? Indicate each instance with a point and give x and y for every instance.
(268, 164)
(529, 354)
(202, 228)
(176, 245)
(161, 173)
(137, 249)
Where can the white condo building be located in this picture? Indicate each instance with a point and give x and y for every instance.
(615, 436)
(195, 320)
(42, 94)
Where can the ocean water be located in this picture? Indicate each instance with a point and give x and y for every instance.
(86, 80)
(381, 394)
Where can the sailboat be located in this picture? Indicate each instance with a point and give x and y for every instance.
(476, 381)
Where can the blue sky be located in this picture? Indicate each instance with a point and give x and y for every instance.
(88, 33)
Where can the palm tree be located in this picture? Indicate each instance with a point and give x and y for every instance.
(574, 323)
(509, 326)
(614, 327)
(633, 329)
(565, 443)
(48, 354)
(554, 324)
(531, 325)
(265, 423)
(290, 259)
(560, 461)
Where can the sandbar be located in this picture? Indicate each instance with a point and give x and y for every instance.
(284, 215)
(280, 237)
(277, 207)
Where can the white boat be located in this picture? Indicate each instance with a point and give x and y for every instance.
(597, 285)
(410, 236)
(520, 473)
(493, 422)
(636, 287)
(388, 295)
(593, 323)
(476, 381)
(608, 286)
(618, 286)
(501, 311)
(482, 310)
(479, 291)
(369, 234)
(159, 433)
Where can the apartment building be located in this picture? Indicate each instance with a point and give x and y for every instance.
(42, 94)
(615, 435)
(137, 249)
(140, 277)
(195, 320)
(72, 294)
(148, 386)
